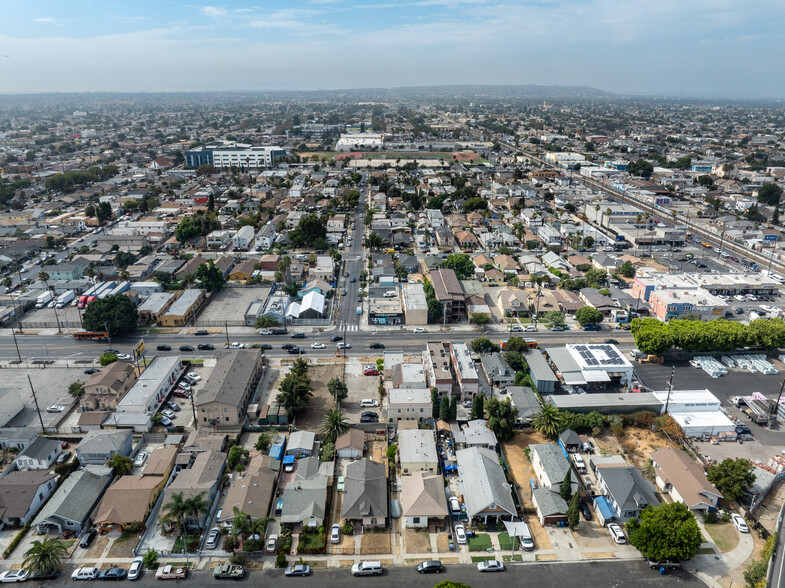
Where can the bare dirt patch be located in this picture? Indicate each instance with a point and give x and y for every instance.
(345, 563)
(124, 547)
(635, 445)
(321, 401)
(545, 557)
(598, 555)
(372, 543)
(97, 548)
(520, 467)
(417, 542)
(443, 543)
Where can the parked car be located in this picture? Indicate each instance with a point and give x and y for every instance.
(612, 341)
(113, 574)
(200, 332)
(194, 376)
(20, 575)
(420, 330)
(279, 332)
(368, 568)
(370, 371)
(186, 348)
(212, 538)
(617, 533)
(335, 534)
(668, 564)
(460, 534)
(318, 346)
(455, 504)
(168, 413)
(492, 565)
(180, 393)
(171, 572)
(55, 408)
(272, 543)
(368, 402)
(63, 457)
(433, 566)
(529, 329)
(557, 328)
(164, 348)
(739, 523)
(91, 371)
(87, 539)
(369, 417)
(266, 332)
(141, 457)
(586, 511)
(376, 346)
(84, 574)
(205, 347)
(298, 335)
(298, 570)
(165, 421)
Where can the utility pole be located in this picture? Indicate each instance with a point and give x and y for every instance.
(19, 355)
(108, 335)
(775, 408)
(35, 400)
(226, 330)
(670, 389)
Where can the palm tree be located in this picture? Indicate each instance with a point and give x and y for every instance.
(196, 505)
(334, 424)
(43, 557)
(175, 511)
(548, 421)
(124, 275)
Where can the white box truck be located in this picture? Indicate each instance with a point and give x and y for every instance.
(43, 299)
(64, 298)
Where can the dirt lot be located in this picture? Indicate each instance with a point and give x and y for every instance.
(637, 442)
(125, 547)
(520, 466)
(768, 512)
(97, 548)
(417, 542)
(590, 535)
(374, 543)
(443, 543)
(321, 400)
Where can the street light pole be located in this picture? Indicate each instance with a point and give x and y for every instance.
(16, 344)
(35, 400)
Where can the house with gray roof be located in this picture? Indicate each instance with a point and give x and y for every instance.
(570, 441)
(484, 486)
(23, 493)
(202, 477)
(474, 434)
(100, 445)
(496, 370)
(551, 507)
(19, 437)
(365, 499)
(70, 507)
(305, 497)
(551, 466)
(39, 455)
(301, 443)
(525, 400)
(417, 451)
(626, 490)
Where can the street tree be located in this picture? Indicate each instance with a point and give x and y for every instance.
(554, 317)
(374, 241)
(484, 345)
(668, 531)
(588, 315)
(44, 556)
(435, 311)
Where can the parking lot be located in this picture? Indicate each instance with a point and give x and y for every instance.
(69, 315)
(229, 305)
(51, 388)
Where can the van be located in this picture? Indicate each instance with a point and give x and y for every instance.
(368, 568)
(365, 402)
(390, 294)
(580, 465)
(525, 535)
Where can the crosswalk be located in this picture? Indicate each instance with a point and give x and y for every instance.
(348, 328)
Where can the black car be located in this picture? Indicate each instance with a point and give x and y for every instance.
(186, 348)
(113, 574)
(376, 346)
(739, 310)
(90, 371)
(335, 338)
(87, 539)
(50, 575)
(286, 346)
(430, 567)
(298, 335)
(586, 511)
(205, 347)
(279, 331)
(612, 341)
(295, 350)
(265, 346)
(164, 348)
(742, 430)
(201, 332)
(369, 419)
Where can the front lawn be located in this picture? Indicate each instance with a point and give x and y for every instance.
(724, 535)
(480, 542)
(505, 542)
(479, 558)
(193, 544)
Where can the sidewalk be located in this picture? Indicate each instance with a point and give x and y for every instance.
(711, 567)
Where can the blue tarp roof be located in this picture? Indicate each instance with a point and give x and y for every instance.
(601, 503)
(288, 459)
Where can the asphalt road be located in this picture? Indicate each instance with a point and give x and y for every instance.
(564, 575)
(65, 347)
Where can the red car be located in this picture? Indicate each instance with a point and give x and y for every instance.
(180, 393)
(370, 371)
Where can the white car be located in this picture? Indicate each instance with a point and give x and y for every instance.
(420, 330)
(237, 345)
(184, 385)
(124, 357)
(335, 534)
(529, 329)
(492, 565)
(272, 542)
(617, 533)
(55, 408)
(141, 457)
(266, 332)
(212, 538)
(85, 574)
(168, 413)
(195, 376)
(460, 534)
(137, 567)
(739, 523)
(318, 346)
(14, 576)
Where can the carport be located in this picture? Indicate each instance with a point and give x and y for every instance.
(604, 511)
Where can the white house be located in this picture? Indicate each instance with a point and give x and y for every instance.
(243, 238)
(39, 455)
(409, 404)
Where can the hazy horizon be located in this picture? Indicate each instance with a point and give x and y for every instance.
(705, 48)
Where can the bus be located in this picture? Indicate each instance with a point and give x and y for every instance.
(92, 335)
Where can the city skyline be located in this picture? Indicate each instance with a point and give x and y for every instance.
(707, 48)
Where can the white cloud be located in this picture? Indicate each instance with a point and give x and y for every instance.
(213, 11)
(127, 19)
(47, 19)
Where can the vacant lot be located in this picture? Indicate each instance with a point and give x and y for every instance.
(417, 541)
(638, 443)
(520, 466)
(229, 306)
(372, 543)
(321, 401)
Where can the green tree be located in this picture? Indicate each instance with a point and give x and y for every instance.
(554, 317)
(104, 212)
(234, 457)
(44, 556)
(435, 311)
(444, 409)
(185, 230)
(310, 228)
(151, 559)
(295, 388)
(392, 450)
(451, 584)
(123, 259)
(117, 313)
(517, 361)
(210, 276)
(480, 318)
(476, 203)
(588, 315)
(263, 442)
(640, 167)
(478, 407)
(573, 511)
(626, 270)
(548, 421)
(732, 477)
(107, 358)
(211, 202)
(502, 417)
(373, 241)
(120, 464)
(454, 408)
(588, 241)
(668, 531)
(265, 322)
(565, 491)
(89, 211)
(483, 345)
(435, 403)
(76, 389)
(769, 194)
(338, 390)
(461, 264)
(334, 424)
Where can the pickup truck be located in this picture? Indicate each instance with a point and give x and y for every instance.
(227, 571)
(171, 573)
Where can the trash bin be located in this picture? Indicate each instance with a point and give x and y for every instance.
(452, 546)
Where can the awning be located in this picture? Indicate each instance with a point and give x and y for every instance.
(287, 459)
(573, 378)
(596, 376)
(601, 504)
(519, 529)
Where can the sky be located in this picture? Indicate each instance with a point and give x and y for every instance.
(722, 48)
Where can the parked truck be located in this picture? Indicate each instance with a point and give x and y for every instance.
(44, 299)
(227, 571)
(65, 298)
(171, 573)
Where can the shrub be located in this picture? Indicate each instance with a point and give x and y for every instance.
(133, 527)
(280, 561)
(347, 529)
(230, 543)
(237, 560)
(16, 541)
(151, 559)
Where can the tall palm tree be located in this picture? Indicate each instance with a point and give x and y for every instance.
(548, 421)
(124, 275)
(334, 424)
(43, 557)
(175, 511)
(196, 505)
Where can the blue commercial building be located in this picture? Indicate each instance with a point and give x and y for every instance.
(199, 156)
